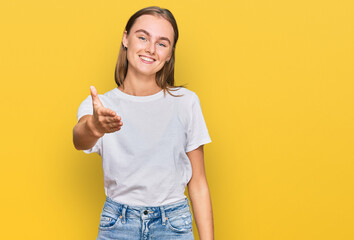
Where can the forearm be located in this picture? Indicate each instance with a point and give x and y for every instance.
(85, 135)
(202, 209)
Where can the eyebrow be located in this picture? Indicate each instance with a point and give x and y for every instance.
(147, 33)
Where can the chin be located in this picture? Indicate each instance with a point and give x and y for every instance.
(147, 73)
(147, 70)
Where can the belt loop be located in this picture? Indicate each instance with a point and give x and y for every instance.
(123, 212)
(163, 215)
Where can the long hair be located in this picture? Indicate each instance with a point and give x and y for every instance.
(164, 77)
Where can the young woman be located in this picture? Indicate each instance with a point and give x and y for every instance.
(148, 161)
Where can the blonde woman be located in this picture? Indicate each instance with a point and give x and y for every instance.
(148, 161)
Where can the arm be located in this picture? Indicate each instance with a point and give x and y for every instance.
(91, 127)
(199, 194)
(85, 134)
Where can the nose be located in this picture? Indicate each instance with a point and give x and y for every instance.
(150, 47)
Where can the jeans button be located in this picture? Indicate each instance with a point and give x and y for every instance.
(145, 212)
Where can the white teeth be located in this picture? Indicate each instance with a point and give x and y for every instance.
(146, 59)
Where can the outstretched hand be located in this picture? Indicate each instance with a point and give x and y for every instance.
(105, 120)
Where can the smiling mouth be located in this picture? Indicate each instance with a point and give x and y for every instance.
(147, 59)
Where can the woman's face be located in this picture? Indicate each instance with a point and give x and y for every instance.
(149, 44)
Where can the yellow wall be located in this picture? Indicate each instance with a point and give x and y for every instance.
(275, 80)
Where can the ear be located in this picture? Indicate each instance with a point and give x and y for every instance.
(125, 39)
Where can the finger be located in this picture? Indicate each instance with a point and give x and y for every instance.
(96, 102)
(106, 112)
(114, 129)
(113, 119)
(117, 129)
(113, 125)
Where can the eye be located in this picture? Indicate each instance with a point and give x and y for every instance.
(142, 38)
(161, 44)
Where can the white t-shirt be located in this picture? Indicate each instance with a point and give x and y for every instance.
(145, 162)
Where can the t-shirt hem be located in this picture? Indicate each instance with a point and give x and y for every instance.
(134, 203)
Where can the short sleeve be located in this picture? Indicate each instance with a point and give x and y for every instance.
(197, 132)
(86, 108)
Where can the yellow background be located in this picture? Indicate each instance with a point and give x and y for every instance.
(276, 84)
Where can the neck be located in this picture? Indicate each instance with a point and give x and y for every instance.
(139, 84)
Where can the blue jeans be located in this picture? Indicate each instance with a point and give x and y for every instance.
(165, 222)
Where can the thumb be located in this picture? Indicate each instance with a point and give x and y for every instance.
(95, 100)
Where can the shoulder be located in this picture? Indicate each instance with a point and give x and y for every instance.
(186, 104)
(109, 96)
(105, 98)
(188, 96)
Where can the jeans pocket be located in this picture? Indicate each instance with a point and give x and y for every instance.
(109, 218)
(180, 223)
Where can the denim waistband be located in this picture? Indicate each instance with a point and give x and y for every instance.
(146, 212)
